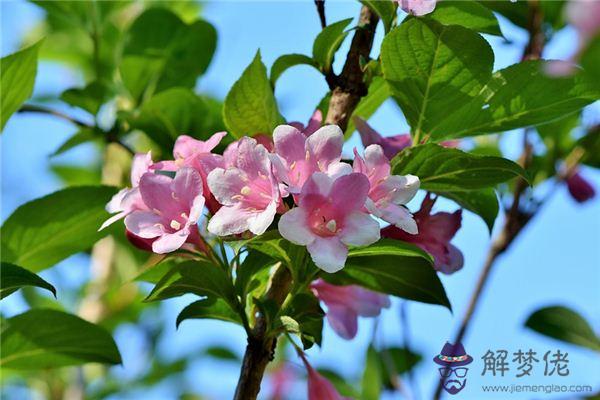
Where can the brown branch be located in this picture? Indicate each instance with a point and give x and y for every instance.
(261, 347)
(346, 94)
(58, 114)
(348, 88)
(321, 11)
(516, 219)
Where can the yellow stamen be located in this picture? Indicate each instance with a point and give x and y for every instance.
(331, 225)
(175, 224)
(245, 191)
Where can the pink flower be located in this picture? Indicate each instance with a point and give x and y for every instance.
(330, 217)
(265, 140)
(248, 192)
(298, 157)
(581, 190)
(314, 123)
(174, 208)
(388, 193)
(417, 7)
(391, 145)
(319, 388)
(282, 379)
(197, 154)
(128, 200)
(346, 303)
(435, 233)
(584, 15)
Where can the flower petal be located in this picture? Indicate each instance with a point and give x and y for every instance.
(170, 242)
(329, 254)
(229, 221)
(261, 221)
(343, 320)
(293, 226)
(326, 145)
(144, 224)
(359, 229)
(350, 192)
(187, 185)
(225, 185)
(289, 143)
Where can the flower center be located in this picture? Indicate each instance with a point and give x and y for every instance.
(175, 224)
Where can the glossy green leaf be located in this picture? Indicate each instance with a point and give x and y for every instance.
(287, 61)
(43, 338)
(378, 93)
(393, 267)
(445, 169)
(254, 262)
(385, 9)
(431, 68)
(327, 43)
(482, 202)
(18, 76)
(77, 175)
(13, 277)
(88, 98)
(250, 107)
(519, 96)
(564, 324)
(209, 308)
(303, 316)
(197, 277)
(469, 14)
(172, 113)
(82, 136)
(165, 51)
(371, 379)
(47, 230)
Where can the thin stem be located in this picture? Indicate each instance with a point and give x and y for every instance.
(44, 110)
(321, 11)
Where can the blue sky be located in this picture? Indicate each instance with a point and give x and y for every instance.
(556, 260)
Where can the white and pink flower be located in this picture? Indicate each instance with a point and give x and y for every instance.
(248, 191)
(330, 217)
(174, 206)
(417, 7)
(298, 157)
(388, 193)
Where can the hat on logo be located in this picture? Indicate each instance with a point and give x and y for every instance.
(453, 355)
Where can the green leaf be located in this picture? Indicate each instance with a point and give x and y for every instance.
(209, 308)
(563, 324)
(18, 77)
(254, 262)
(431, 68)
(519, 96)
(304, 317)
(43, 338)
(222, 353)
(446, 169)
(198, 277)
(393, 267)
(250, 107)
(591, 144)
(166, 52)
(590, 61)
(343, 386)
(396, 361)
(172, 113)
(327, 43)
(482, 202)
(83, 135)
(13, 277)
(371, 380)
(469, 14)
(385, 9)
(47, 230)
(76, 175)
(378, 93)
(89, 98)
(287, 61)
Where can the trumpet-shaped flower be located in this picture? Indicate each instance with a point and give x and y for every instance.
(174, 207)
(388, 193)
(435, 232)
(298, 157)
(346, 303)
(417, 7)
(314, 123)
(329, 217)
(197, 154)
(248, 192)
(391, 145)
(319, 388)
(128, 200)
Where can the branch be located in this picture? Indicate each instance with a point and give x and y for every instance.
(321, 11)
(349, 87)
(516, 219)
(346, 95)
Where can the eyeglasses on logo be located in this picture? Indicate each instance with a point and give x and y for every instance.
(453, 372)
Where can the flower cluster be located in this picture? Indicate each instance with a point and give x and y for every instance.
(325, 204)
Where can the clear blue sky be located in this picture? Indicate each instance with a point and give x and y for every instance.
(556, 260)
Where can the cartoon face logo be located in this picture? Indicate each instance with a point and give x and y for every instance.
(453, 372)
